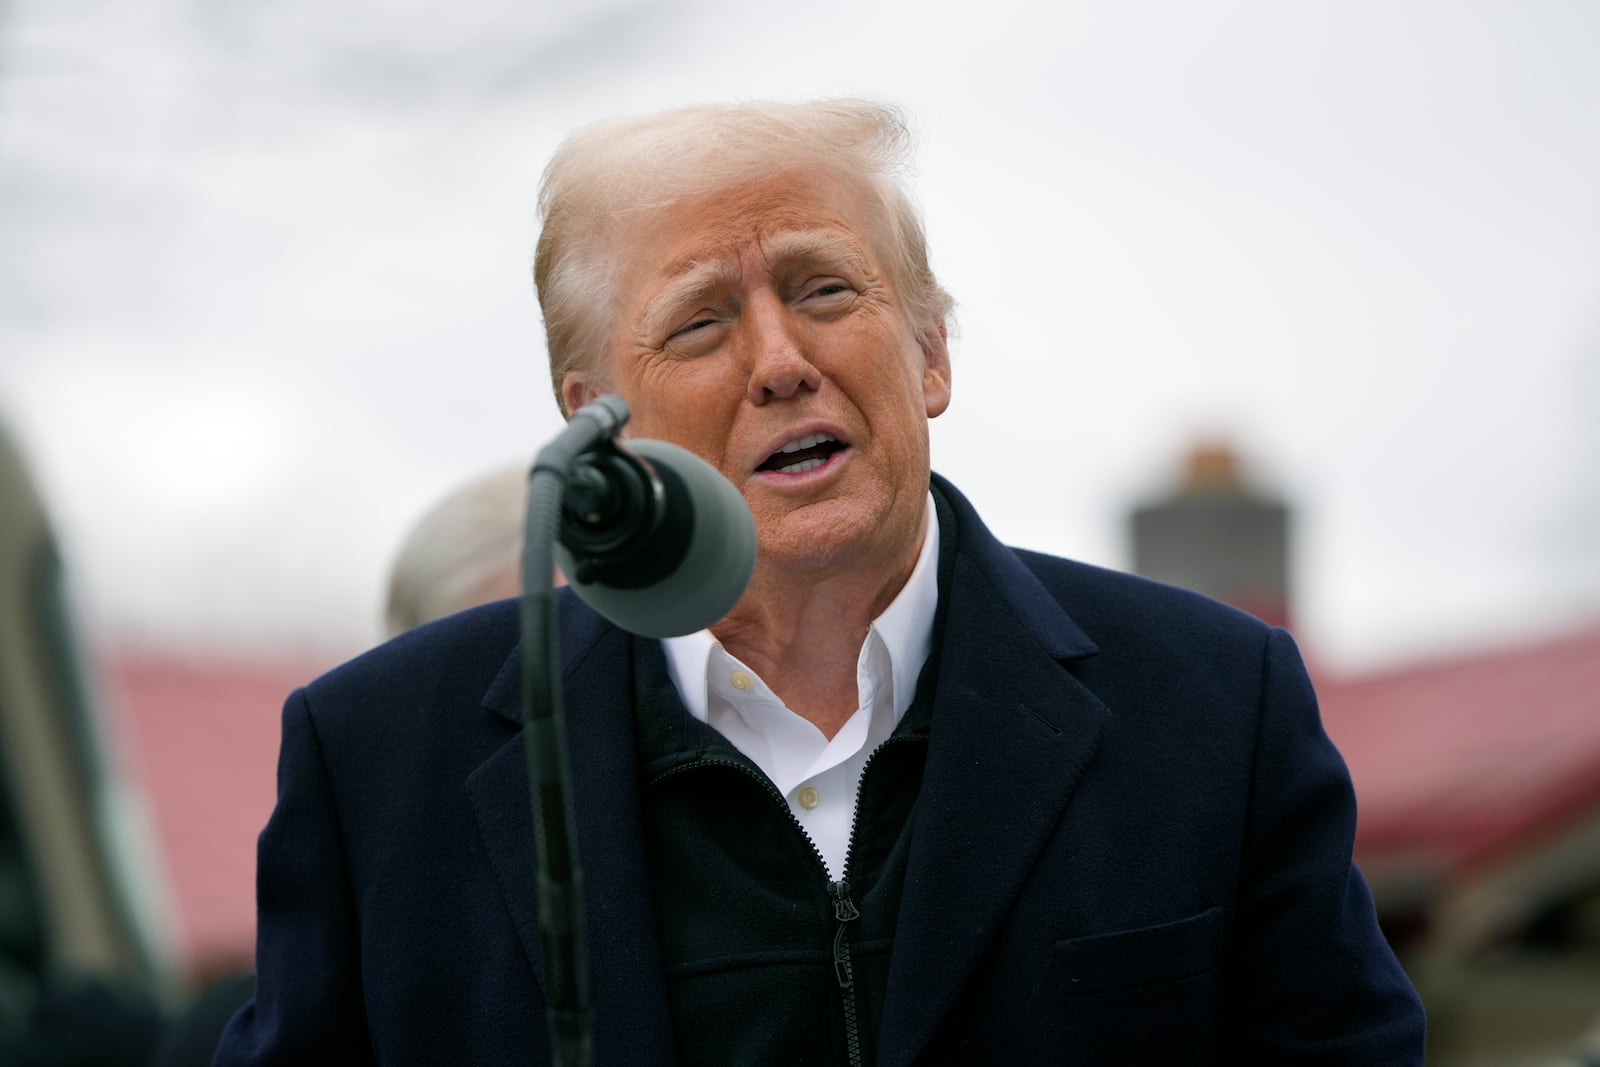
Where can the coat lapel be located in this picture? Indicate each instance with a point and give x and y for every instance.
(631, 1022)
(1012, 733)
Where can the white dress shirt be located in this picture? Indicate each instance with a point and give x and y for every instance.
(818, 777)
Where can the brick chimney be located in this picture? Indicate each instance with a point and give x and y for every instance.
(1218, 536)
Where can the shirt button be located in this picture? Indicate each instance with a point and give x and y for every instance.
(740, 680)
(807, 798)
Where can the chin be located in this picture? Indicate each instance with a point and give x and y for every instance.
(824, 540)
(812, 557)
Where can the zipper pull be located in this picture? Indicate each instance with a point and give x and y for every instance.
(842, 970)
(844, 908)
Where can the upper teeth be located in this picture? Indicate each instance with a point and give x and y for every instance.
(810, 440)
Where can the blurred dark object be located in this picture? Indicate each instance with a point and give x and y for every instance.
(69, 896)
(89, 1022)
(1218, 536)
(78, 964)
(194, 1034)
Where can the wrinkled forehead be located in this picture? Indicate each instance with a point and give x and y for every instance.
(797, 212)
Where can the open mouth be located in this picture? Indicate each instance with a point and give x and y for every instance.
(805, 454)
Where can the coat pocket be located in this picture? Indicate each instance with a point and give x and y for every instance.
(1146, 956)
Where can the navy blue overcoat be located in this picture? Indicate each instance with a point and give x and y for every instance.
(1132, 846)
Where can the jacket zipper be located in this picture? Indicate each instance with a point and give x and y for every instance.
(844, 909)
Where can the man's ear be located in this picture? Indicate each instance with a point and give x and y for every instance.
(936, 371)
(578, 389)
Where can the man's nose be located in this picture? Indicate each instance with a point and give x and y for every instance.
(779, 366)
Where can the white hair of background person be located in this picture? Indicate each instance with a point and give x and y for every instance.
(463, 551)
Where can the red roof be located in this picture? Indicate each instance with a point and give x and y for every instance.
(1458, 760)
(201, 741)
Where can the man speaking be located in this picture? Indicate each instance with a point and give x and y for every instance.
(918, 798)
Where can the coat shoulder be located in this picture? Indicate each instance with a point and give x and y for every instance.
(1151, 627)
(454, 662)
(1115, 611)
(474, 642)
(1099, 598)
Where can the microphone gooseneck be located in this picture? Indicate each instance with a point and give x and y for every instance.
(656, 540)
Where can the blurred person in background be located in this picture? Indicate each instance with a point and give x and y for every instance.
(919, 798)
(463, 551)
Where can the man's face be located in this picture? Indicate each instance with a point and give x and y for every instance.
(761, 319)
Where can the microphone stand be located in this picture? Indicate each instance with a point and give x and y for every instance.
(561, 927)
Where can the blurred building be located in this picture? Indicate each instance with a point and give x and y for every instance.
(1477, 777)
(1218, 535)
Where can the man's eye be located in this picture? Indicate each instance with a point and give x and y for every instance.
(696, 324)
(830, 289)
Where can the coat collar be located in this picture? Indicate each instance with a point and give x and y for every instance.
(1012, 734)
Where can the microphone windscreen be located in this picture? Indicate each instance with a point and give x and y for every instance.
(714, 572)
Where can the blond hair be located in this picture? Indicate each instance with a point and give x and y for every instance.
(605, 177)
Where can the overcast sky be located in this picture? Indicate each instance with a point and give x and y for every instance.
(264, 288)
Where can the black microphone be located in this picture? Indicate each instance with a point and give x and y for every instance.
(652, 536)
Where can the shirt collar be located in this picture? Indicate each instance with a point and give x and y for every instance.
(905, 628)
